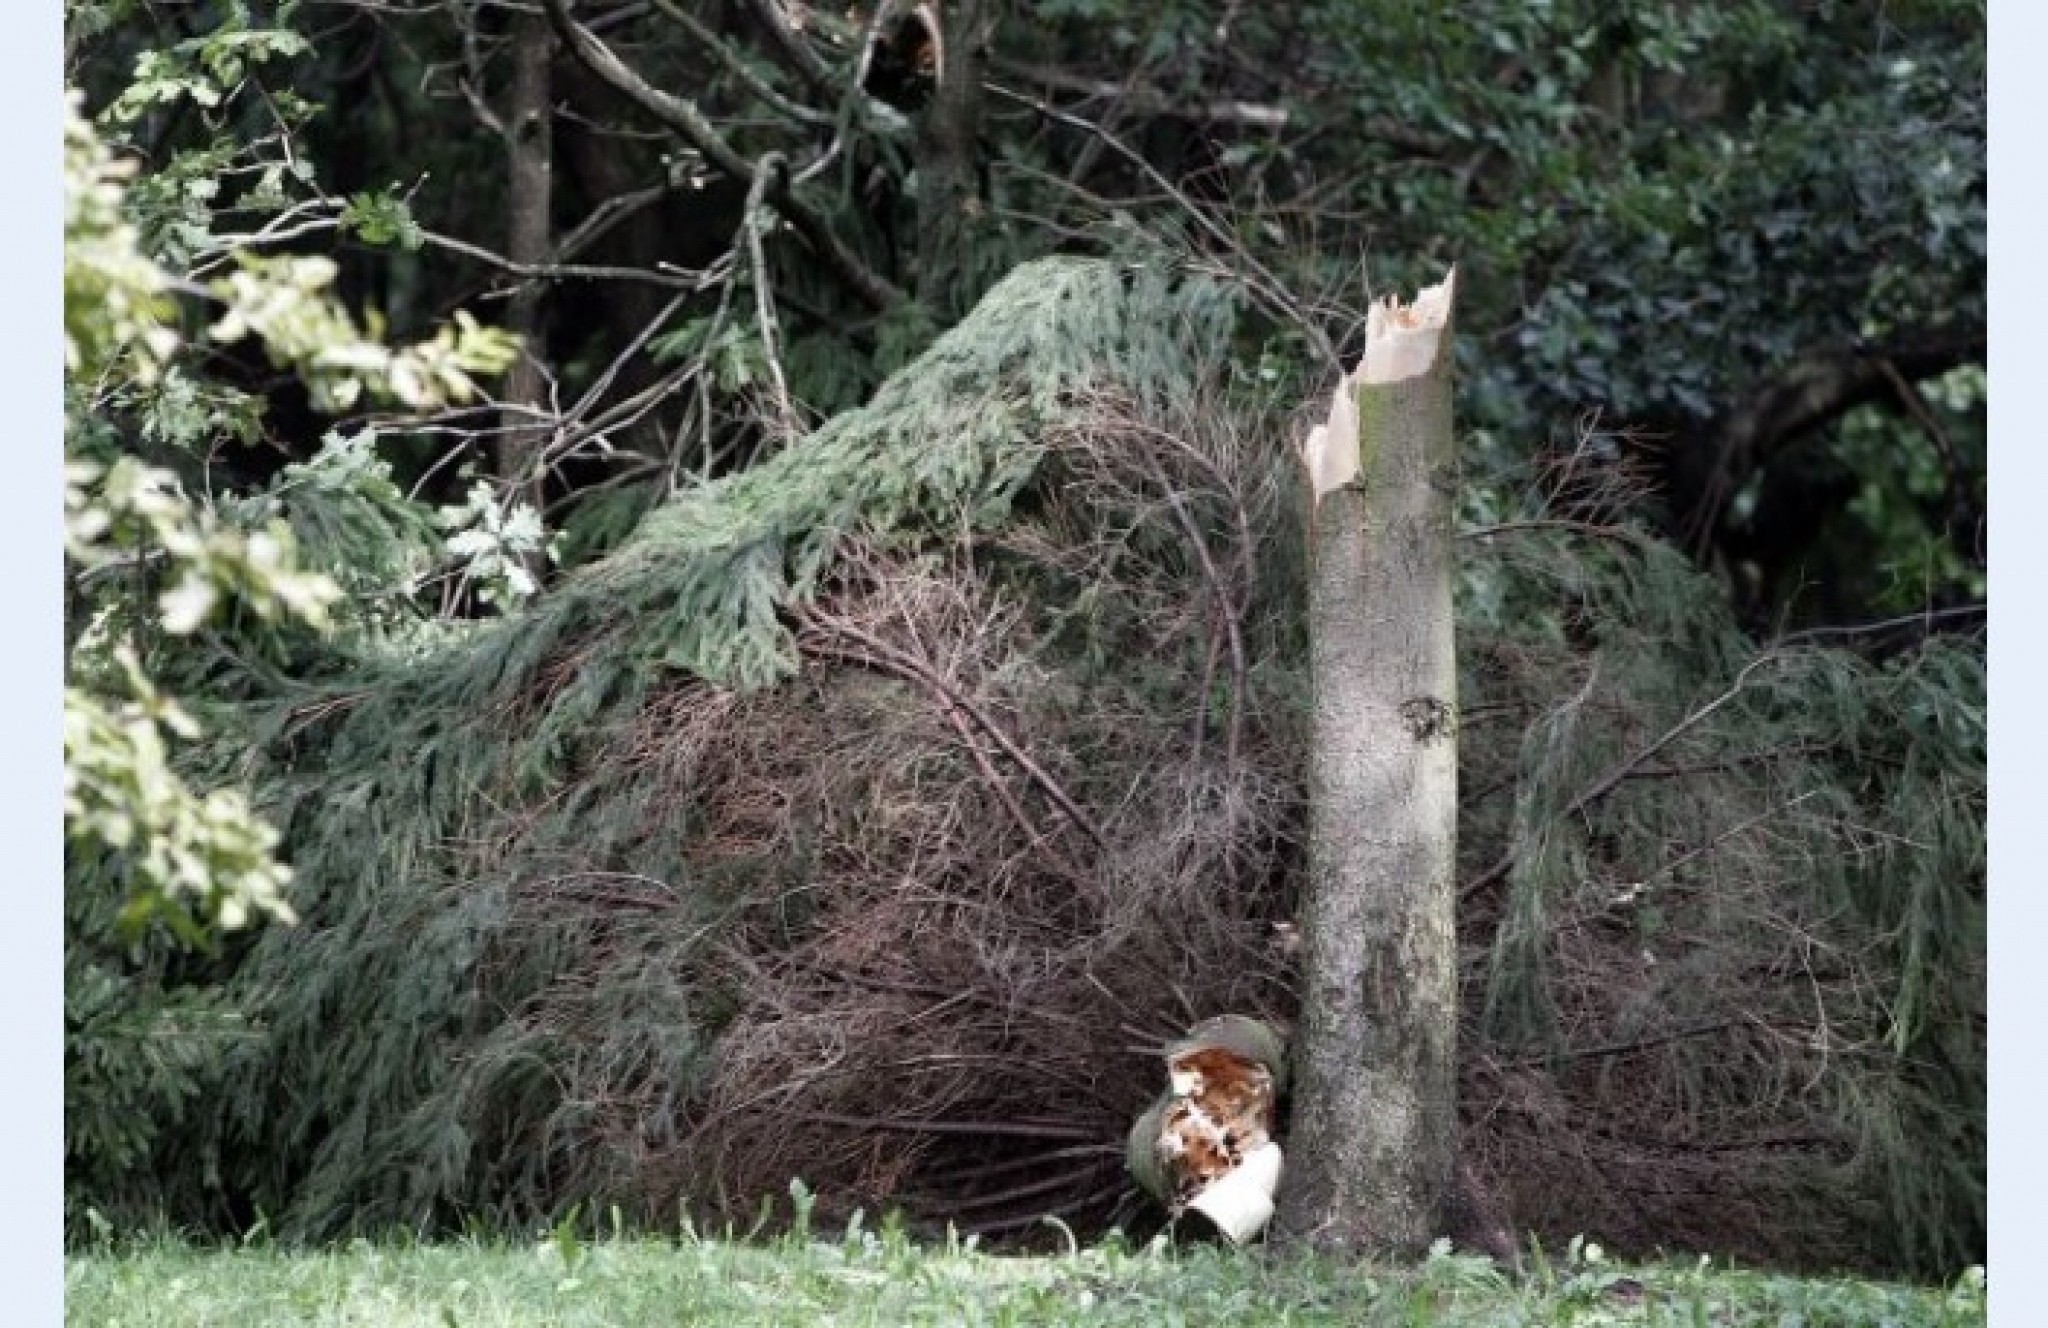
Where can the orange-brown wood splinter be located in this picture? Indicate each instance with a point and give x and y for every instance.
(1222, 1110)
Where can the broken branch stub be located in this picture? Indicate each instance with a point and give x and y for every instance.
(1401, 342)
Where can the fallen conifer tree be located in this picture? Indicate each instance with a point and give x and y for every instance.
(875, 815)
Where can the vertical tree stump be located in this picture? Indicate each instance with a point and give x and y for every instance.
(1374, 1134)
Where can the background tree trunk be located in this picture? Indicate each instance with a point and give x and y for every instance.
(950, 209)
(529, 142)
(1375, 1116)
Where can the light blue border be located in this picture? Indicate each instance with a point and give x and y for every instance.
(31, 667)
(2018, 1213)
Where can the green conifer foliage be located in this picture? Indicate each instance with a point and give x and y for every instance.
(711, 867)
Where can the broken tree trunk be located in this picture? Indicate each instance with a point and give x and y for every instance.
(1374, 1134)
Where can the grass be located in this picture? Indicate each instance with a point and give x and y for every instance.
(884, 1280)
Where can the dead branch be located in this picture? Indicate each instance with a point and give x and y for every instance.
(728, 59)
(791, 47)
(553, 271)
(1253, 274)
(684, 118)
(1814, 389)
(1146, 100)
(877, 653)
(753, 223)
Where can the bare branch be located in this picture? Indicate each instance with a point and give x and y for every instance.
(1145, 100)
(684, 118)
(1812, 391)
(1924, 620)
(1963, 513)
(1593, 530)
(678, 280)
(874, 651)
(607, 215)
(761, 90)
(753, 224)
(1252, 274)
(794, 52)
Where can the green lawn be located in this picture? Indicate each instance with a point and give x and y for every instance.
(890, 1283)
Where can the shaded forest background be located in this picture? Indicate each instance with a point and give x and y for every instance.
(835, 701)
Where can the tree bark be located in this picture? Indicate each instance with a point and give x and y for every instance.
(529, 143)
(1374, 1134)
(951, 213)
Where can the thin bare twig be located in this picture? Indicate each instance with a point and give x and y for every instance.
(558, 271)
(794, 52)
(759, 88)
(1225, 603)
(1620, 534)
(1254, 276)
(1608, 782)
(770, 167)
(1146, 100)
(682, 116)
(880, 653)
(1926, 618)
(1951, 461)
